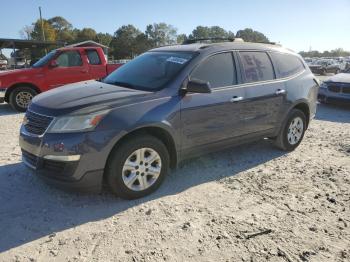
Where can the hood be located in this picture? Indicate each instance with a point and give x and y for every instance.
(16, 71)
(339, 78)
(86, 96)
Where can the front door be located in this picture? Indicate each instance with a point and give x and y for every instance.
(70, 69)
(208, 119)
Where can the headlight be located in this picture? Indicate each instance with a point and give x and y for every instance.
(76, 123)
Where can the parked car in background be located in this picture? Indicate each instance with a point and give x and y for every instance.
(336, 89)
(57, 68)
(169, 104)
(3, 64)
(322, 67)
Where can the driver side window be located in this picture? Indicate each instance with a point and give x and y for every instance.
(218, 70)
(69, 59)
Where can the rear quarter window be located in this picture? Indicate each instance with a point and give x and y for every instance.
(286, 65)
(257, 66)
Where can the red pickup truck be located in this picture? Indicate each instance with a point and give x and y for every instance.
(59, 67)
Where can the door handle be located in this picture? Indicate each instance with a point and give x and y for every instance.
(280, 91)
(236, 99)
(84, 71)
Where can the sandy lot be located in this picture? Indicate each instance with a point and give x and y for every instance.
(250, 203)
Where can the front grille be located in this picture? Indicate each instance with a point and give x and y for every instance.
(30, 158)
(334, 88)
(346, 90)
(36, 123)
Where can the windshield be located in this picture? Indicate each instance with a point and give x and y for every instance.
(150, 71)
(43, 61)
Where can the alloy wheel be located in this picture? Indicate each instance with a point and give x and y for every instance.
(23, 99)
(295, 130)
(141, 169)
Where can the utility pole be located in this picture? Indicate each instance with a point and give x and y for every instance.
(42, 27)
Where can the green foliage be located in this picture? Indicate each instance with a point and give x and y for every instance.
(161, 34)
(333, 53)
(210, 32)
(50, 32)
(128, 41)
(124, 42)
(85, 34)
(249, 35)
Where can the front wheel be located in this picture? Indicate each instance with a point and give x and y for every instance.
(137, 167)
(21, 97)
(292, 132)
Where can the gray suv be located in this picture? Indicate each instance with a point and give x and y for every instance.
(166, 105)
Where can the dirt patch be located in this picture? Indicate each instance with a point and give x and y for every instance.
(250, 203)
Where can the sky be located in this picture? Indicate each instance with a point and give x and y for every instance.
(296, 24)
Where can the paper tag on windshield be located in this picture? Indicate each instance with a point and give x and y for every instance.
(177, 60)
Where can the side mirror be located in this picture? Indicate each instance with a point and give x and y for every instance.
(53, 64)
(197, 86)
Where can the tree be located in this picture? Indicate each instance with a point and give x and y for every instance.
(85, 34)
(49, 31)
(60, 24)
(181, 38)
(104, 38)
(210, 32)
(63, 28)
(123, 44)
(249, 35)
(161, 34)
(26, 32)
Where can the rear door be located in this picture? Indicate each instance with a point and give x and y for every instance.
(70, 69)
(215, 117)
(264, 94)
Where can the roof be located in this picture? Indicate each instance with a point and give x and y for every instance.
(21, 43)
(88, 43)
(222, 46)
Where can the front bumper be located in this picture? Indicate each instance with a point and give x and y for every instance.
(324, 95)
(70, 161)
(2, 94)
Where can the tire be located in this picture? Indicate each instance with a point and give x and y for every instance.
(118, 172)
(20, 98)
(285, 139)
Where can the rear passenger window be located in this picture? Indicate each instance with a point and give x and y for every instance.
(256, 66)
(93, 57)
(286, 65)
(218, 70)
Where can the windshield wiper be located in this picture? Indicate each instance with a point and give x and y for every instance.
(123, 84)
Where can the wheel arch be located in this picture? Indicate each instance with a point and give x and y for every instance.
(14, 86)
(158, 132)
(303, 107)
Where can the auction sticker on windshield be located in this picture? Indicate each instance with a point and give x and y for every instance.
(177, 60)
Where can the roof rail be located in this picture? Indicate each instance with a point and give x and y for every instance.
(212, 39)
(218, 39)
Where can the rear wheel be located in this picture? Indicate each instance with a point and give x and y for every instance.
(137, 167)
(292, 132)
(21, 97)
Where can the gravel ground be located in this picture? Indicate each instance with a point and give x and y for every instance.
(250, 203)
